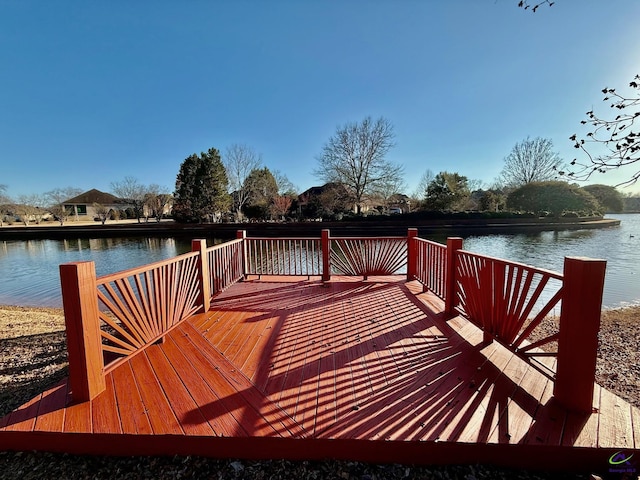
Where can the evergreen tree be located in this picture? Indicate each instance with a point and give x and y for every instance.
(262, 188)
(201, 188)
(447, 191)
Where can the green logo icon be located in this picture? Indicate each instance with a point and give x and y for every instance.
(619, 458)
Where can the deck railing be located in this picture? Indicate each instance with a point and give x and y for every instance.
(283, 256)
(114, 316)
(431, 266)
(225, 264)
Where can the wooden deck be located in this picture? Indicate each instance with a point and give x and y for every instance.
(352, 369)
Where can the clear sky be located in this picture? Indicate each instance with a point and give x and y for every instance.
(93, 91)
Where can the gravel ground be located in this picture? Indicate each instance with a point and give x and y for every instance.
(33, 356)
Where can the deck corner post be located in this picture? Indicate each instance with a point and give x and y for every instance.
(204, 298)
(453, 245)
(242, 235)
(82, 324)
(326, 255)
(583, 287)
(412, 259)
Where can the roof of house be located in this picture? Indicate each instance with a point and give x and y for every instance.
(94, 196)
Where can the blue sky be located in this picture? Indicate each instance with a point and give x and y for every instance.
(91, 92)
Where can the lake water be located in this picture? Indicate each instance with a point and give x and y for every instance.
(29, 272)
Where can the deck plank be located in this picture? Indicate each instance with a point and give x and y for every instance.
(105, 417)
(581, 429)
(635, 417)
(51, 408)
(24, 418)
(77, 418)
(257, 414)
(504, 415)
(134, 416)
(615, 427)
(210, 410)
(212, 406)
(191, 419)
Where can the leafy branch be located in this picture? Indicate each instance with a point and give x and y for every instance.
(618, 136)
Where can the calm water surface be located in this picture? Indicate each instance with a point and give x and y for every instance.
(29, 269)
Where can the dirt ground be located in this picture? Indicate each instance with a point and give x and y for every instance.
(33, 357)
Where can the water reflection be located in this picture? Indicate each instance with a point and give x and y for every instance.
(29, 269)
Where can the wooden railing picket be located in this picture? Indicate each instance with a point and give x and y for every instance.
(579, 326)
(326, 255)
(412, 257)
(453, 245)
(84, 345)
(242, 235)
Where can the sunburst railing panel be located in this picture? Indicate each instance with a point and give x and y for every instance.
(139, 306)
(510, 301)
(368, 256)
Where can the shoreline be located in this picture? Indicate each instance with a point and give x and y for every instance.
(368, 226)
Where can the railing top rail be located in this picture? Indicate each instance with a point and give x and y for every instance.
(371, 238)
(144, 268)
(224, 244)
(437, 244)
(550, 273)
(283, 238)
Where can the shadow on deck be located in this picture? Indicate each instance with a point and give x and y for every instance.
(360, 370)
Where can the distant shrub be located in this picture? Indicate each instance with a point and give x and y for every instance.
(552, 198)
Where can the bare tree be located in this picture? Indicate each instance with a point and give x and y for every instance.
(56, 199)
(5, 204)
(132, 192)
(239, 161)
(285, 186)
(421, 189)
(102, 212)
(531, 161)
(355, 157)
(157, 200)
(280, 205)
(621, 143)
(30, 207)
(388, 188)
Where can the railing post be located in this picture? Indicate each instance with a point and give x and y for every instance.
(84, 344)
(412, 233)
(242, 235)
(579, 325)
(326, 255)
(453, 245)
(204, 299)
